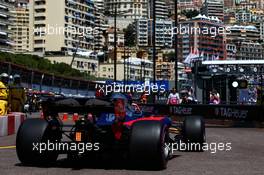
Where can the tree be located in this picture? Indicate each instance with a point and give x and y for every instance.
(170, 56)
(41, 64)
(130, 35)
(190, 13)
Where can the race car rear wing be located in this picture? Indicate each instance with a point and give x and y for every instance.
(53, 106)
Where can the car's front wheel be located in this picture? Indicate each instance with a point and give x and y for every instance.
(194, 133)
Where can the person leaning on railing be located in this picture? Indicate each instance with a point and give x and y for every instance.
(4, 94)
(173, 98)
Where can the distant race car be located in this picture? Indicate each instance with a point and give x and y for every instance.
(109, 126)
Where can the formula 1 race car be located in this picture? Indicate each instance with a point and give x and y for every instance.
(104, 126)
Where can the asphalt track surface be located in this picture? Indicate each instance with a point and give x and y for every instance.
(246, 157)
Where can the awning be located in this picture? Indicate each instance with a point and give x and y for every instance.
(137, 61)
(3, 33)
(3, 7)
(10, 43)
(3, 15)
(86, 54)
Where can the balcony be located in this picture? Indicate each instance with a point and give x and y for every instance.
(39, 37)
(43, 14)
(41, 6)
(39, 45)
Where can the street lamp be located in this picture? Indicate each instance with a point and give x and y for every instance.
(115, 37)
(124, 65)
(176, 44)
(76, 49)
(154, 44)
(154, 41)
(115, 41)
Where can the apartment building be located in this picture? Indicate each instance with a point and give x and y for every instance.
(84, 62)
(20, 27)
(111, 37)
(135, 69)
(213, 8)
(100, 25)
(6, 6)
(245, 33)
(135, 9)
(249, 51)
(163, 33)
(189, 4)
(246, 5)
(142, 32)
(127, 12)
(245, 42)
(162, 10)
(200, 36)
(229, 4)
(243, 16)
(61, 25)
(166, 71)
(261, 30)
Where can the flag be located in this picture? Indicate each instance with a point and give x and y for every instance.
(196, 55)
(213, 57)
(217, 57)
(202, 55)
(207, 57)
(188, 59)
(196, 52)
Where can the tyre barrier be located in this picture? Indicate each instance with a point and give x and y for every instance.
(10, 123)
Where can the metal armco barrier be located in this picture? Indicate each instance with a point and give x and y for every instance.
(231, 112)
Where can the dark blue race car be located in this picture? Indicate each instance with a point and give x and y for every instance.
(111, 125)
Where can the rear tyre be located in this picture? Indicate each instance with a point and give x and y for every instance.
(31, 133)
(194, 133)
(147, 147)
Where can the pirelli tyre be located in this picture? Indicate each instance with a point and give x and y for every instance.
(193, 132)
(147, 147)
(30, 135)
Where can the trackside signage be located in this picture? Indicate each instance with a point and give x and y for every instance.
(232, 112)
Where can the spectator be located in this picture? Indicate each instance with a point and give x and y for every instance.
(129, 97)
(185, 99)
(143, 97)
(173, 98)
(214, 98)
(99, 93)
(4, 94)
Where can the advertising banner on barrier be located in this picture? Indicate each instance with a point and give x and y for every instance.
(232, 112)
